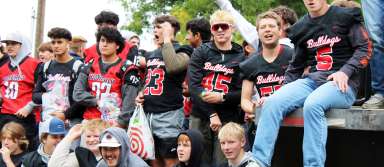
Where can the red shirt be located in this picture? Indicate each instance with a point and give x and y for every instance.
(17, 86)
(103, 83)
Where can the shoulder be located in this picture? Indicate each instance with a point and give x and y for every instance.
(185, 49)
(85, 68)
(203, 49)
(28, 157)
(252, 61)
(32, 61)
(252, 164)
(286, 51)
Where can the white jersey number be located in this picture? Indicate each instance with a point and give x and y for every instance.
(12, 89)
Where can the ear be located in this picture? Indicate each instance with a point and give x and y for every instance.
(197, 35)
(243, 142)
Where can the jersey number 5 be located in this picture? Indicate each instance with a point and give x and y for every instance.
(324, 59)
(12, 89)
(268, 90)
(157, 88)
(217, 81)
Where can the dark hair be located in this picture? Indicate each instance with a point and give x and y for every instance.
(1, 48)
(112, 35)
(58, 32)
(46, 46)
(107, 17)
(287, 14)
(134, 36)
(244, 44)
(201, 26)
(170, 19)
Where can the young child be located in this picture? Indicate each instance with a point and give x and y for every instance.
(189, 148)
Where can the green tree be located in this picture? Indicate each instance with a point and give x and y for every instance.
(143, 11)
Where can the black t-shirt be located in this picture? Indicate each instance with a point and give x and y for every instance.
(162, 91)
(59, 71)
(267, 77)
(16, 159)
(55, 71)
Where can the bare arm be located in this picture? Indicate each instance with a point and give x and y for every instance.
(246, 96)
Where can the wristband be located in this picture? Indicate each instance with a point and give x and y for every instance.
(213, 115)
(223, 97)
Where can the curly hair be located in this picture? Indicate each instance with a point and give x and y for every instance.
(16, 132)
(107, 17)
(112, 35)
(58, 32)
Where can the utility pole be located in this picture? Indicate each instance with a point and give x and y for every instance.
(39, 30)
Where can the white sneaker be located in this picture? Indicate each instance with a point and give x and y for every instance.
(375, 102)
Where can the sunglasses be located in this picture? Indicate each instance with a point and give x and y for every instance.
(222, 26)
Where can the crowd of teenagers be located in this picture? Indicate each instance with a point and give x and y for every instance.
(72, 105)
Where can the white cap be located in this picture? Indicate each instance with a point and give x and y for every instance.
(16, 37)
(109, 140)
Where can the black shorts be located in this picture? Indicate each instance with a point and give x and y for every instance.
(165, 148)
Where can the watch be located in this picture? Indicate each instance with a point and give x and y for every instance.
(224, 97)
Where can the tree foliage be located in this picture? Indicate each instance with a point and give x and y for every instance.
(144, 11)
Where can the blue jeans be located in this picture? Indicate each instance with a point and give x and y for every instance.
(374, 21)
(315, 100)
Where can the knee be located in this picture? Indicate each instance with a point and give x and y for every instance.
(313, 108)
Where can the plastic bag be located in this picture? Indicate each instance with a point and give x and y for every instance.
(55, 99)
(140, 135)
(109, 106)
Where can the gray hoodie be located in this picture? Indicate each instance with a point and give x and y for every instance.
(127, 158)
(25, 49)
(248, 158)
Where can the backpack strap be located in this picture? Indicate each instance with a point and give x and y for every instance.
(76, 65)
(45, 68)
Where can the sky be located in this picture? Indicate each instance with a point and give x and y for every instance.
(75, 15)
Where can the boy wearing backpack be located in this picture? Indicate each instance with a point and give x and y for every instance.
(58, 75)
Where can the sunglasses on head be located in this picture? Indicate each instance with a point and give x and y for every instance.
(222, 26)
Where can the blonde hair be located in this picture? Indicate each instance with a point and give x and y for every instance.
(221, 15)
(231, 130)
(96, 124)
(16, 132)
(268, 15)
